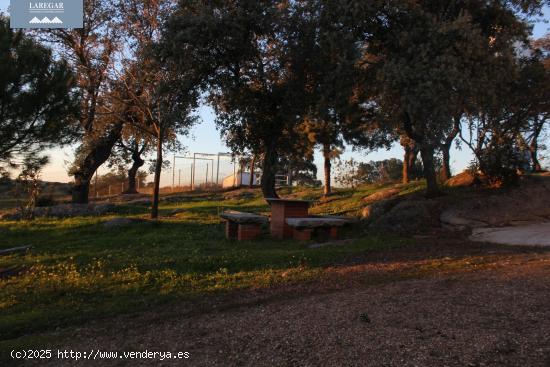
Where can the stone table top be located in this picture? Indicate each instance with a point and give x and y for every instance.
(243, 218)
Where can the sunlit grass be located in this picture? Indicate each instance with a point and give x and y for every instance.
(79, 269)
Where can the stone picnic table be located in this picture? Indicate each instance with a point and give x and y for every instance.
(281, 209)
(303, 228)
(289, 219)
(242, 226)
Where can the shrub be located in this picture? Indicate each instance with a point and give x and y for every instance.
(501, 161)
(46, 200)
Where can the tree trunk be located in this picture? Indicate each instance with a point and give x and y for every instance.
(533, 151)
(132, 172)
(269, 171)
(446, 150)
(432, 189)
(96, 152)
(406, 167)
(427, 153)
(412, 159)
(252, 162)
(158, 170)
(241, 169)
(81, 186)
(409, 160)
(290, 178)
(446, 165)
(327, 167)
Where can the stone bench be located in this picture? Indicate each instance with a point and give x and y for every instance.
(303, 228)
(242, 226)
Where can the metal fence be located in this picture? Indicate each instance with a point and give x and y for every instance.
(195, 171)
(202, 169)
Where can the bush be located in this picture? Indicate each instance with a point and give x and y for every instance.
(42, 201)
(500, 163)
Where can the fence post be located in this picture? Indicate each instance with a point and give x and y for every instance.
(191, 178)
(173, 171)
(218, 170)
(234, 174)
(212, 173)
(193, 174)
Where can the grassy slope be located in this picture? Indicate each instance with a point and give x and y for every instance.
(80, 270)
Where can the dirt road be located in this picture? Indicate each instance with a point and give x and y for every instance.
(457, 311)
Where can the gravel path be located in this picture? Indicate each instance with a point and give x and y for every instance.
(497, 316)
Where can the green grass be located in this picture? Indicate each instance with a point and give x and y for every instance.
(349, 201)
(79, 270)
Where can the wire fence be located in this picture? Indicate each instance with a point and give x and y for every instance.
(195, 171)
(201, 169)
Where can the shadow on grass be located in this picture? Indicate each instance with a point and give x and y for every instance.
(81, 270)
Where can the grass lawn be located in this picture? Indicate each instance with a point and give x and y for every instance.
(80, 270)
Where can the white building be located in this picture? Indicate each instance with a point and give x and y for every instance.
(235, 180)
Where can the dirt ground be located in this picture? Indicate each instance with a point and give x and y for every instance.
(446, 303)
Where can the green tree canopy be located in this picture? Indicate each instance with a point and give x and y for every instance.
(243, 55)
(436, 60)
(38, 102)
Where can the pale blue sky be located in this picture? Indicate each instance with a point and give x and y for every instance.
(206, 139)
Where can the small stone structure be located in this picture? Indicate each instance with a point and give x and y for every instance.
(242, 226)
